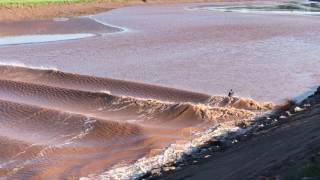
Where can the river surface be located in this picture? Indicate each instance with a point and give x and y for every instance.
(263, 56)
(65, 114)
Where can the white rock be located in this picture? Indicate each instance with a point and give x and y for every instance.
(298, 109)
(288, 113)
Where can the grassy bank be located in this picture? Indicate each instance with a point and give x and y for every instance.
(38, 2)
(46, 2)
(19, 10)
(307, 170)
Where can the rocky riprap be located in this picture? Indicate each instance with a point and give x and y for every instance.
(280, 115)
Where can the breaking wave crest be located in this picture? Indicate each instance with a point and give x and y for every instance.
(56, 124)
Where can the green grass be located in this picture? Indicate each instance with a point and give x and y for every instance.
(39, 2)
(310, 169)
(46, 2)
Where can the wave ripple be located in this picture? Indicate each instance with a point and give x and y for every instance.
(62, 125)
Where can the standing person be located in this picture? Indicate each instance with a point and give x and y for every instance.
(231, 93)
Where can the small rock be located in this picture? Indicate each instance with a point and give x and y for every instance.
(215, 143)
(166, 169)
(282, 117)
(156, 172)
(306, 105)
(318, 91)
(203, 150)
(288, 113)
(298, 109)
(169, 168)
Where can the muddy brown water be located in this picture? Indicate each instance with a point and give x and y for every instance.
(202, 51)
(96, 121)
(59, 125)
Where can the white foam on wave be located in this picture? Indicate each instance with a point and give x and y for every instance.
(88, 126)
(106, 92)
(174, 153)
(22, 65)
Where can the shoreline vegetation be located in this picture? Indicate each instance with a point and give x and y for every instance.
(22, 10)
(38, 2)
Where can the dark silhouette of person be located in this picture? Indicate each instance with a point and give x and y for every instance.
(231, 93)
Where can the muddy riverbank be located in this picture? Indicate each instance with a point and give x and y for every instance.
(278, 142)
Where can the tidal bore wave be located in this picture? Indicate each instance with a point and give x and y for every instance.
(63, 125)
